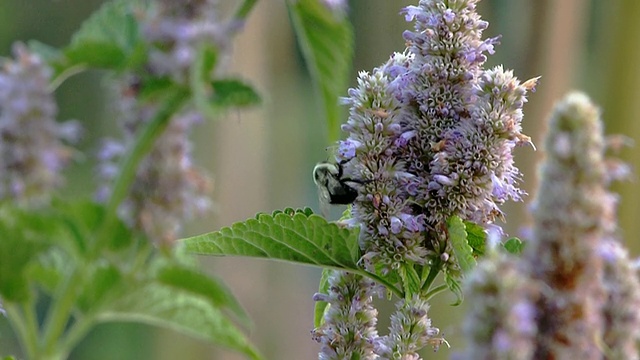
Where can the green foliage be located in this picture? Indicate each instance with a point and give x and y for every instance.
(109, 39)
(232, 93)
(60, 251)
(179, 309)
(293, 236)
(460, 244)
(477, 238)
(514, 246)
(326, 40)
(198, 284)
(410, 280)
(454, 286)
(25, 235)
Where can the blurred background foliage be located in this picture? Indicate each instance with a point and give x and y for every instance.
(262, 159)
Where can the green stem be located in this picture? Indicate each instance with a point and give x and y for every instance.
(434, 270)
(244, 9)
(74, 70)
(59, 312)
(76, 333)
(382, 281)
(436, 290)
(27, 335)
(31, 322)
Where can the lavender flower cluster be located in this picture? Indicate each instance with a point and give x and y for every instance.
(176, 29)
(349, 331)
(32, 143)
(168, 188)
(430, 135)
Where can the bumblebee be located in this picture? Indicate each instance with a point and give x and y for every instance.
(332, 187)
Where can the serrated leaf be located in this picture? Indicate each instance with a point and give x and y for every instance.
(297, 238)
(460, 245)
(179, 310)
(109, 38)
(514, 246)
(454, 287)
(477, 238)
(212, 289)
(326, 41)
(321, 306)
(411, 282)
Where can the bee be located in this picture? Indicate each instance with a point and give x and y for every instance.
(332, 187)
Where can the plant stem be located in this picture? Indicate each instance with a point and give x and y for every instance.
(382, 281)
(434, 270)
(60, 310)
(436, 290)
(244, 9)
(26, 335)
(78, 331)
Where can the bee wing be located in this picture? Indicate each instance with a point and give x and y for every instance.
(324, 197)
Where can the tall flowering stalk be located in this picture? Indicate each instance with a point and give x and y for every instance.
(576, 284)
(168, 188)
(430, 136)
(351, 331)
(32, 143)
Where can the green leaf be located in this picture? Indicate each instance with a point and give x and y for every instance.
(454, 286)
(23, 237)
(477, 238)
(83, 218)
(326, 40)
(232, 93)
(50, 269)
(514, 246)
(102, 280)
(290, 236)
(108, 39)
(192, 281)
(179, 310)
(321, 306)
(460, 245)
(411, 282)
(48, 53)
(200, 77)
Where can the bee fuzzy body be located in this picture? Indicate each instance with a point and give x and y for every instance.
(332, 187)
